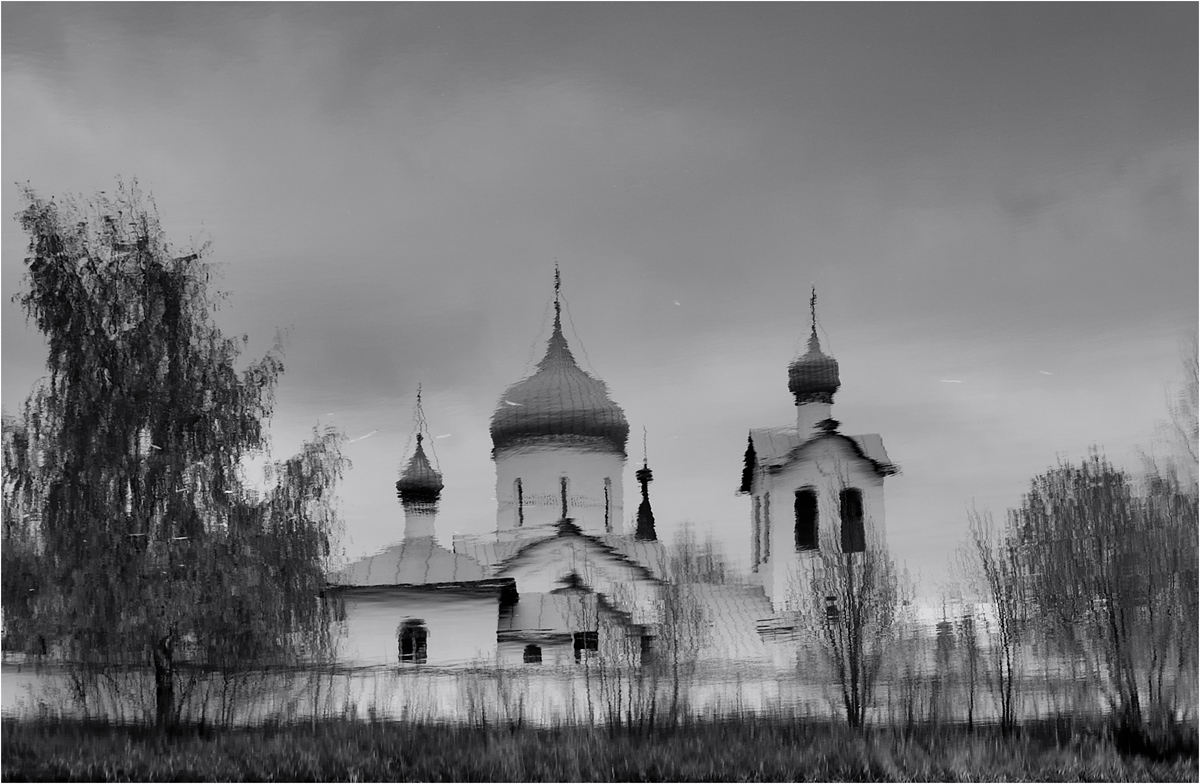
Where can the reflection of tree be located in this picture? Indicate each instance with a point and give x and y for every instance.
(991, 557)
(1112, 577)
(852, 608)
(685, 627)
(129, 534)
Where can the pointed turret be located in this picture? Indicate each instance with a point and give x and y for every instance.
(645, 517)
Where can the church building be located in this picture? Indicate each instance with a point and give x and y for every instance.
(561, 580)
(813, 489)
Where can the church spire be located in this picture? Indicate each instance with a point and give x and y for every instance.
(645, 516)
(557, 350)
(814, 346)
(557, 298)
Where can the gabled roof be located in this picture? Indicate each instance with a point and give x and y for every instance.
(567, 530)
(650, 554)
(490, 554)
(773, 447)
(414, 562)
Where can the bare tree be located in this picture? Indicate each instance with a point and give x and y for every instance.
(991, 556)
(965, 628)
(1112, 574)
(683, 630)
(852, 607)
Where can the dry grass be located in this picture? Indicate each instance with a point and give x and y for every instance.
(744, 750)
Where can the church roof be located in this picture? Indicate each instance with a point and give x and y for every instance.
(419, 482)
(813, 377)
(559, 403)
(568, 531)
(777, 446)
(815, 373)
(413, 562)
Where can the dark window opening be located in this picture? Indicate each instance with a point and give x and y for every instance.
(533, 654)
(586, 642)
(756, 539)
(854, 539)
(562, 485)
(414, 639)
(806, 520)
(766, 527)
(607, 505)
(647, 649)
(519, 492)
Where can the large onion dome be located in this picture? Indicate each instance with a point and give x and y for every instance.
(420, 483)
(813, 378)
(559, 404)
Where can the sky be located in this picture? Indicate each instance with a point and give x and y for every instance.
(996, 203)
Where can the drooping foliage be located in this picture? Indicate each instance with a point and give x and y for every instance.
(126, 511)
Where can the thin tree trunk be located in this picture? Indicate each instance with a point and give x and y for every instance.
(164, 684)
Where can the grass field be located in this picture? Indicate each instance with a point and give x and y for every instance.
(743, 750)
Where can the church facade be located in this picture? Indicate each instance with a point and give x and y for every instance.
(561, 581)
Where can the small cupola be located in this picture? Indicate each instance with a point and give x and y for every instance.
(420, 482)
(420, 485)
(813, 377)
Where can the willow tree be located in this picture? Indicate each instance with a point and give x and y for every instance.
(143, 543)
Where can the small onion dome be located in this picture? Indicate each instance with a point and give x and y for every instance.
(813, 378)
(559, 404)
(419, 483)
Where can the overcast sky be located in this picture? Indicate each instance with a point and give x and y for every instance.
(997, 204)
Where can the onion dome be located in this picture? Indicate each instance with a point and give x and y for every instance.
(813, 378)
(420, 483)
(559, 404)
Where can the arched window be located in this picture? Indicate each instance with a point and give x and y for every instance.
(519, 501)
(414, 638)
(607, 505)
(854, 539)
(563, 484)
(533, 654)
(806, 520)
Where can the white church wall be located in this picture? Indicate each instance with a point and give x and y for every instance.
(827, 466)
(460, 626)
(540, 470)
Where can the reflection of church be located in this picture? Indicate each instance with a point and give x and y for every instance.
(561, 580)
